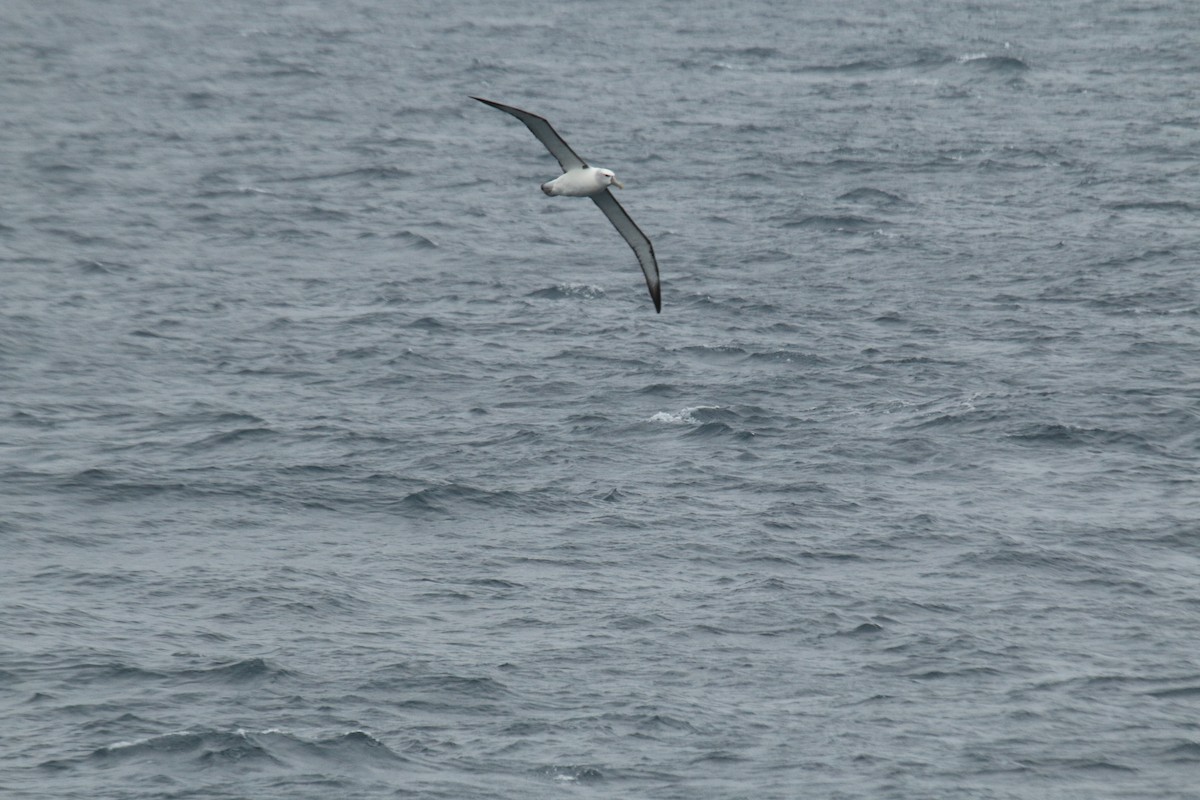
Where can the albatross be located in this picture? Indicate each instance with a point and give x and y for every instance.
(580, 180)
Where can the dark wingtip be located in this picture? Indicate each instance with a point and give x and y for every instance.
(656, 296)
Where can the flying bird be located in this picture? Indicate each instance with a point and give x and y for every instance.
(580, 180)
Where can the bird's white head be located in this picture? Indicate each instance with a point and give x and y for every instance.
(609, 178)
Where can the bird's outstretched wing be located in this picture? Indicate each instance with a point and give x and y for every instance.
(637, 240)
(567, 159)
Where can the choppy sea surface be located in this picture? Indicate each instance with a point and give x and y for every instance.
(338, 461)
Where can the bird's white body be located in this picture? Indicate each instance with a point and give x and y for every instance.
(581, 182)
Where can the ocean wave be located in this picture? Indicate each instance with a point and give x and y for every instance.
(837, 223)
(271, 747)
(235, 672)
(993, 63)
(446, 498)
(414, 240)
(1061, 434)
(572, 773)
(1166, 206)
(570, 291)
(871, 196)
(694, 415)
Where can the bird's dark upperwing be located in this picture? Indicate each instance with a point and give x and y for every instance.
(637, 240)
(567, 159)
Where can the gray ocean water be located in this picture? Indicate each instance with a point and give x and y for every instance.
(336, 461)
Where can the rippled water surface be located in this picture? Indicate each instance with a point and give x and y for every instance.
(338, 461)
